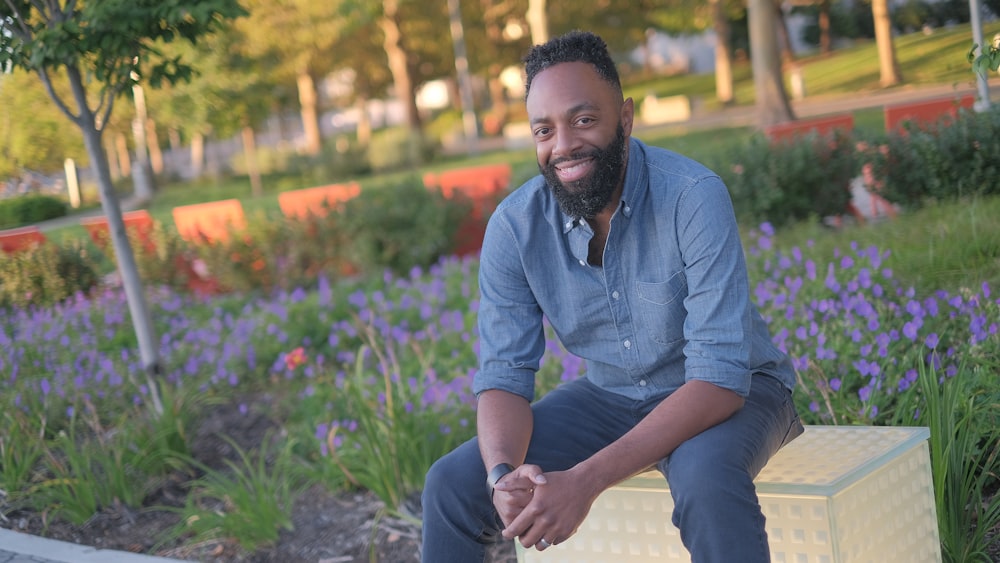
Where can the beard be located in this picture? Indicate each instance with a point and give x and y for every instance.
(588, 196)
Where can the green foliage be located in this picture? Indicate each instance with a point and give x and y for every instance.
(400, 226)
(988, 59)
(250, 501)
(386, 436)
(953, 159)
(45, 275)
(28, 209)
(783, 182)
(110, 35)
(33, 133)
(398, 148)
(964, 449)
(21, 449)
(279, 254)
(106, 468)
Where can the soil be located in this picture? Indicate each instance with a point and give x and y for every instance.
(329, 527)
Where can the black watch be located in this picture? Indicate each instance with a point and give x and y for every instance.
(497, 473)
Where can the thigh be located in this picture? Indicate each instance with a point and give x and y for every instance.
(747, 440)
(574, 421)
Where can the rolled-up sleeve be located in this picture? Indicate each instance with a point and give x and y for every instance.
(511, 333)
(718, 323)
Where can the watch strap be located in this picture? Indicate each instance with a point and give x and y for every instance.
(497, 473)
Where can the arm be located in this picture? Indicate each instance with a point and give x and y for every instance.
(562, 499)
(504, 424)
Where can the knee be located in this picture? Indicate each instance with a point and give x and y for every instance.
(453, 475)
(707, 481)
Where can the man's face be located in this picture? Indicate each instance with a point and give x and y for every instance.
(580, 126)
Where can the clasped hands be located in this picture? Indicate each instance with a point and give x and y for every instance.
(541, 509)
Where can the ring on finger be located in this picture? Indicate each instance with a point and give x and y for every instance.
(544, 543)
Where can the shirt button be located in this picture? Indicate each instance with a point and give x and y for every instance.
(628, 209)
(583, 262)
(614, 294)
(627, 343)
(642, 383)
(569, 225)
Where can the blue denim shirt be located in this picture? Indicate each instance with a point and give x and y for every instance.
(671, 302)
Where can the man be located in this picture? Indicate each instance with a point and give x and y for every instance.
(632, 254)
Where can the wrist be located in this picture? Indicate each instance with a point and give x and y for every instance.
(498, 472)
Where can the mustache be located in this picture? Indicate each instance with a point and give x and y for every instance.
(593, 153)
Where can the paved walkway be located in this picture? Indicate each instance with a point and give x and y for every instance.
(16, 547)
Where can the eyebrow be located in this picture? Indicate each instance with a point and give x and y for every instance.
(573, 110)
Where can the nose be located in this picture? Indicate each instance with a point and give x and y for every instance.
(565, 143)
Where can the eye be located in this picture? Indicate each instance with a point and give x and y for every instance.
(542, 131)
(585, 121)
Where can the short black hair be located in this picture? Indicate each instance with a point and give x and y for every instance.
(575, 46)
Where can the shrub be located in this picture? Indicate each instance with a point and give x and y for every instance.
(28, 209)
(45, 275)
(400, 226)
(945, 161)
(784, 182)
(397, 148)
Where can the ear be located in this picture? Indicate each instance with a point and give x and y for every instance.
(627, 115)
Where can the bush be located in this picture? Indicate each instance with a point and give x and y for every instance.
(398, 148)
(400, 226)
(28, 209)
(783, 182)
(45, 275)
(271, 255)
(946, 161)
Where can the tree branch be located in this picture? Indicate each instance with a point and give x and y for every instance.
(25, 32)
(47, 82)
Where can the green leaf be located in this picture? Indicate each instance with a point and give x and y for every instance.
(971, 56)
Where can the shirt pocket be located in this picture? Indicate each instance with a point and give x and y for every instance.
(662, 305)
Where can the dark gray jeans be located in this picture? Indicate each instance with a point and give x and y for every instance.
(710, 475)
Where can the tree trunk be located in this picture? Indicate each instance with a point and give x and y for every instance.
(310, 113)
(250, 152)
(825, 42)
(771, 98)
(124, 158)
(888, 67)
(153, 142)
(197, 155)
(401, 78)
(141, 320)
(538, 22)
(787, 53)
(109, 149)
(723, 60)
(364, 131)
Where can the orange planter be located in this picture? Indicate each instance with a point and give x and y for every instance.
(21, 238)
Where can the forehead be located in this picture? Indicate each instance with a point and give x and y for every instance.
(561, 87)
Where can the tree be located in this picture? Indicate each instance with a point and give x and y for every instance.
(769, 86)
(888, 66)
(103, 48)
(230, 92)
(687, 16)
(301, 37)
(32, 132)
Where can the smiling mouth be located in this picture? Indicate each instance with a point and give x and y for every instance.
(574, 170)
